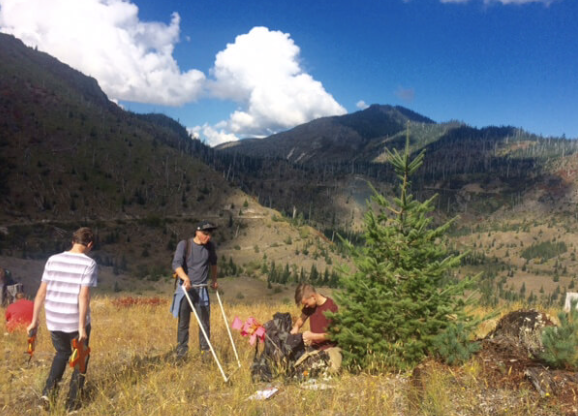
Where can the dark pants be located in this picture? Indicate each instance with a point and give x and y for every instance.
(62, 342)
(204, 313)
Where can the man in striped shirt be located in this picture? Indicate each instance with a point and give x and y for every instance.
(65, 294)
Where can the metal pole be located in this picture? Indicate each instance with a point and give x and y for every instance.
(228, 329)
(204, 332)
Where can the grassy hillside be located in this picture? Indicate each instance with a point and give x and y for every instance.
(136, 255)
(532, 261)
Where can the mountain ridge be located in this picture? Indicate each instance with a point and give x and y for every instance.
(505, 163)
(302, 142)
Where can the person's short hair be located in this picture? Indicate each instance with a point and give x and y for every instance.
(302, 291)
(20, 295)
(83, 236)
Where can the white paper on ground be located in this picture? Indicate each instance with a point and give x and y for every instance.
(263, 394)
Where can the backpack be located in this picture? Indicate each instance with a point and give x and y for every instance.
(184, 262)
(281, 349)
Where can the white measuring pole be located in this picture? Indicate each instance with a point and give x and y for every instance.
(205, 333)
(228, 329)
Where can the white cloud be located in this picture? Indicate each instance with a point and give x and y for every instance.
(132, 60)
(261, 71)
(211, 135)
(362, 105)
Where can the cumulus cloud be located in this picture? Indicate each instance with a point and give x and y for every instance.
(261, 71)
(362, 105)
(132, 60)
(212, 135)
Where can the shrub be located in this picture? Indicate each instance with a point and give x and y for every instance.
(561, 343)
(454, 346)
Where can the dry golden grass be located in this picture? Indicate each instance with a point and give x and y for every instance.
(130, 373)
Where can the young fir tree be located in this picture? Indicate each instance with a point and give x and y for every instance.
(402, 296)
(561, 342)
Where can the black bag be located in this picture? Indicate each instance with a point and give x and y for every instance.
(281, 349)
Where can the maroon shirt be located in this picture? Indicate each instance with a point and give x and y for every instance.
(318, 322)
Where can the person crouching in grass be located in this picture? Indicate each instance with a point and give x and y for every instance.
(314, 305)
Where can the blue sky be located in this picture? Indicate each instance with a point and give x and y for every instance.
(233, 69)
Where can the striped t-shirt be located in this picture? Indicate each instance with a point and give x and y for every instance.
(65, 274)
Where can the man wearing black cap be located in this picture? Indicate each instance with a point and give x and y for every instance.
(192, 261)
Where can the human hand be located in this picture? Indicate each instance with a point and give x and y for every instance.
(214, 284)
(187, 283)
(308, 337)
(31, 329)
(82, 334)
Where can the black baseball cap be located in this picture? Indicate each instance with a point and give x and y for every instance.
(206, 226)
